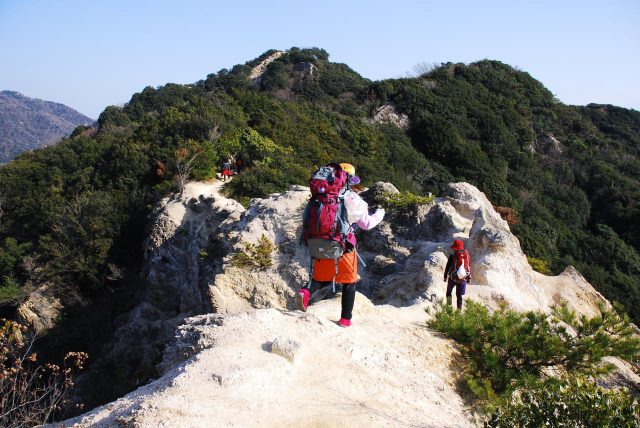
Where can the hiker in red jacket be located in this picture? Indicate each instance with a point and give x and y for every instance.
(457, 273)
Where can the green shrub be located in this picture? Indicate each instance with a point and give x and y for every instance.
(255, 255)
(539, 265)
(505, 351)
(404, 201)
(568, 402)
(9, 290)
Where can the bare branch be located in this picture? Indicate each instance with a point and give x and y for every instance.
(185, 162)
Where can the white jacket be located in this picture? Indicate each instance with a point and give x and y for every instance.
(358, 211)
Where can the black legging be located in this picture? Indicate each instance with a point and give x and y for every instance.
(348, 296)
(461, 288)
(348, 300)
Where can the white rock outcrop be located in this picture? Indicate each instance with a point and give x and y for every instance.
(547, 144)
(500, 271)
(227, 368)
(388, 113)
(40, 310)
(279, 219)
(183, 254)
(258, 70)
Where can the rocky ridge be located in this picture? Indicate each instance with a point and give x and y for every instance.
(177, 273)
(258, 70)
(387, 369)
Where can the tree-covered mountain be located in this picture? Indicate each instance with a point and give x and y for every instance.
(28, 123)
(74, 214)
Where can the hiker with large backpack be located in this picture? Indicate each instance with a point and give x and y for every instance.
(328, 231)
(457, 273)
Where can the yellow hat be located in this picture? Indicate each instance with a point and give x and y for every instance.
(348, 168)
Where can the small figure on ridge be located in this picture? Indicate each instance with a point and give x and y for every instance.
(457, 273)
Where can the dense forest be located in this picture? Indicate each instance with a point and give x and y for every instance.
(73, 214)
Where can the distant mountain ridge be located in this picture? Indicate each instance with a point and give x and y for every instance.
(28, 123)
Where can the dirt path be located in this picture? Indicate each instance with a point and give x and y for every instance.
(388, 369)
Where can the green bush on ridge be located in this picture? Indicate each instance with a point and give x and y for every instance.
(508, 357)
(404, 200)
(256, 256)
(539, 265)
(570, 402)
(9, 290)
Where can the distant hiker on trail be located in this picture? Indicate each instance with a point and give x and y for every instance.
(226, 170)
(457, 273)
(239, 165)
(328, 232)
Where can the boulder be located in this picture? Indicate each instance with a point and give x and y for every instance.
(40, 310)
(376, 193)
(285, 347)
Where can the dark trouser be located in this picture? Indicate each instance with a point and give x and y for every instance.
(461, 288)
(321, 290)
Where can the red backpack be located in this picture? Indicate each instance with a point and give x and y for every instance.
(325, 228)
(460, 257)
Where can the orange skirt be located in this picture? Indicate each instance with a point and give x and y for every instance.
(325, 269)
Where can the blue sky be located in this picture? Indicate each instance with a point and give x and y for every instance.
(93, 53)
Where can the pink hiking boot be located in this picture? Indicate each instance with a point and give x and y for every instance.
(344, 322)
(302, 299)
